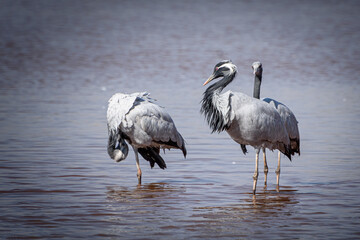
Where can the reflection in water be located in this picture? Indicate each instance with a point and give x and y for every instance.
(265, 204)
(152, 191)
(60, 62)
(149, 208)
(139, 205)
(273, 199)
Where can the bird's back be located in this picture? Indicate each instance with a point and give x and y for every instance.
(118, 106)
(256, 123)
(148, 123)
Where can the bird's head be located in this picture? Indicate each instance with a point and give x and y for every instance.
(257, 67)
(222, 69)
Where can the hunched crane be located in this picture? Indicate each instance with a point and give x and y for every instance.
(146, 126)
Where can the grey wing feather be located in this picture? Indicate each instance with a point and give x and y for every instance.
(287, 117)
(148, 124)
(257, 123)
(291, 124)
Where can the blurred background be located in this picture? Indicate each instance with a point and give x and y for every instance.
(60, 62)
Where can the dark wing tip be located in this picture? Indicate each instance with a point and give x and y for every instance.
(243, 148)
(287, 151)
(295, 146)
(183, 149)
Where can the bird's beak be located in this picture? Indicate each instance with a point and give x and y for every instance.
(209, 79)
(255, 69)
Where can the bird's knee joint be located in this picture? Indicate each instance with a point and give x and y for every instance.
(277, 171)
(255, 177)
(266, 170)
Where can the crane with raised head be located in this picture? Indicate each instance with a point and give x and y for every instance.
(247, 120)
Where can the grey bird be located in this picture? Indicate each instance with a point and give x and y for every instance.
(247, 120)
(136, 118)
(287, 116)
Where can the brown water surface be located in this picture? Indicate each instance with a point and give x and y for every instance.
(60, 61)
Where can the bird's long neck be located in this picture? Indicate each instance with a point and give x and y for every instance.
(209, 104)
(257, 84)
(217, 87)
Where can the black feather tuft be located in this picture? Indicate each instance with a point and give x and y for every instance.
(243, 148)
(213, 116)
(287, 151)
(295, 146)
(152, 154)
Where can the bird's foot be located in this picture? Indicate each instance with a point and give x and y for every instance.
(266, 170)
(139, 178)
(277, 179)
(265, 181)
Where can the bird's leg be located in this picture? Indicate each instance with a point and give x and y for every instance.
(277, 171)
(266, 169)
(138, 165)
(256, 173)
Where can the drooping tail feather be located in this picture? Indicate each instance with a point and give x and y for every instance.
(183, 149)
(287, 151)
(295, 146)
(152, 154)
(243, 148)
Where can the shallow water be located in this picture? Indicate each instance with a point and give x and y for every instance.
(61, 61)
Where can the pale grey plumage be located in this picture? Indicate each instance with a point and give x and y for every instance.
(248, 121)
(291, 124)
(143, 124)
(256, 124)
